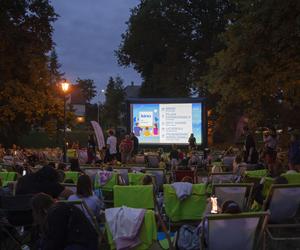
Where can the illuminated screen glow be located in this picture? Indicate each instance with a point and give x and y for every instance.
(166, 123)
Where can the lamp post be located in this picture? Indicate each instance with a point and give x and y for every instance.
(98, 116)
(65, 87)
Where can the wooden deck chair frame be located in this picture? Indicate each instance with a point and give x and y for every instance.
(193, 172)
(259, 235)
(220, 174)
(249, 190)
(151, 170)
(270, 227)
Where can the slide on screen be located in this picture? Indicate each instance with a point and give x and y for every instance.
(166, 123)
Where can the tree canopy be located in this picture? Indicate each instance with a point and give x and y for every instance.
(88, 88)
(169, 41)
(258, 73)
(114, 105)
(26, 39)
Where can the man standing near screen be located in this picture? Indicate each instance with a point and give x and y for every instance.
(192, 142)
(111, 145)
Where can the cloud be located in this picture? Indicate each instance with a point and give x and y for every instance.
(86, 35)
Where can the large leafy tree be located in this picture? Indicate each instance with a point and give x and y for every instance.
(114, 105)
(169, 41)
(88, 88)
(26, 39)
(258, 72)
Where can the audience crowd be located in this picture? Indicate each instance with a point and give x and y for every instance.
(61, 222)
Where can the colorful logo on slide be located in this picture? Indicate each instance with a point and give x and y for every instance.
(146, 119)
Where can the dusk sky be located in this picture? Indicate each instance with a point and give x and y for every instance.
(86, 35)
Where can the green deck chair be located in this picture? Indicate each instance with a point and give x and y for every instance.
(234, 231)
(135, 196)
(292, 178)
(107, 187)
(135, 178)
(72, 175)
(190, 209)
(147, 235)
(3, 177)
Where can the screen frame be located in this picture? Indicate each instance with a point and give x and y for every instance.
(131, 101)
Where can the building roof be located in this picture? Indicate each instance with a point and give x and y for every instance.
(132, 91)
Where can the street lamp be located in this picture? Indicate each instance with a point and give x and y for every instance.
(65, 87)
(98, 117)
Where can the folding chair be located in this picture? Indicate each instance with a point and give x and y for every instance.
(283, 203)
(190, 209)
(7, 177)
(147, 234)
(159, 176)
(239, 193)
(180, 174)
(107, 188)
(72, 175)
(255, 175)
(153, 161)
(18, 209)
(135, 178)
(123, 172)
(140, 196)
(233, 231)
(292, 178)
(135, 196)
(224, 177)
(90, 171)
(81, 204)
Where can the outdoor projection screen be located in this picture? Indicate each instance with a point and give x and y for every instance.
(167, 121)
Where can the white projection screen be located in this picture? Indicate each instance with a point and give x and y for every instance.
(168, 121)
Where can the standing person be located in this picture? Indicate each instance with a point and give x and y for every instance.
(135, 141)
(126, 148)
(192, 142)
(91, 149)
(174, 157)
(250, 155)
(294, 152)
(270, 139)
(111, 144)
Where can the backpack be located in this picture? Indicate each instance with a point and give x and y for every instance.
(189, 238)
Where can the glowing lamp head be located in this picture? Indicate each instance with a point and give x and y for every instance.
(65, 86)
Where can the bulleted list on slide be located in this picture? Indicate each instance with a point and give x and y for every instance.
(175, 122)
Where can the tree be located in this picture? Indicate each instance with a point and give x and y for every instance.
(114, 105)
(259, 70)
(169, 41)
(88, 88)
(26, 39)
(54, 68)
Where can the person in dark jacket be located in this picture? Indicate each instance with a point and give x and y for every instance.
(294, 152)
(62, 226)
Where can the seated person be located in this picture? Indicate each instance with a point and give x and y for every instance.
(62, 225)
(85, 192)
(147, 180)
(273, 166)
(258, 189)
(45, 180)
